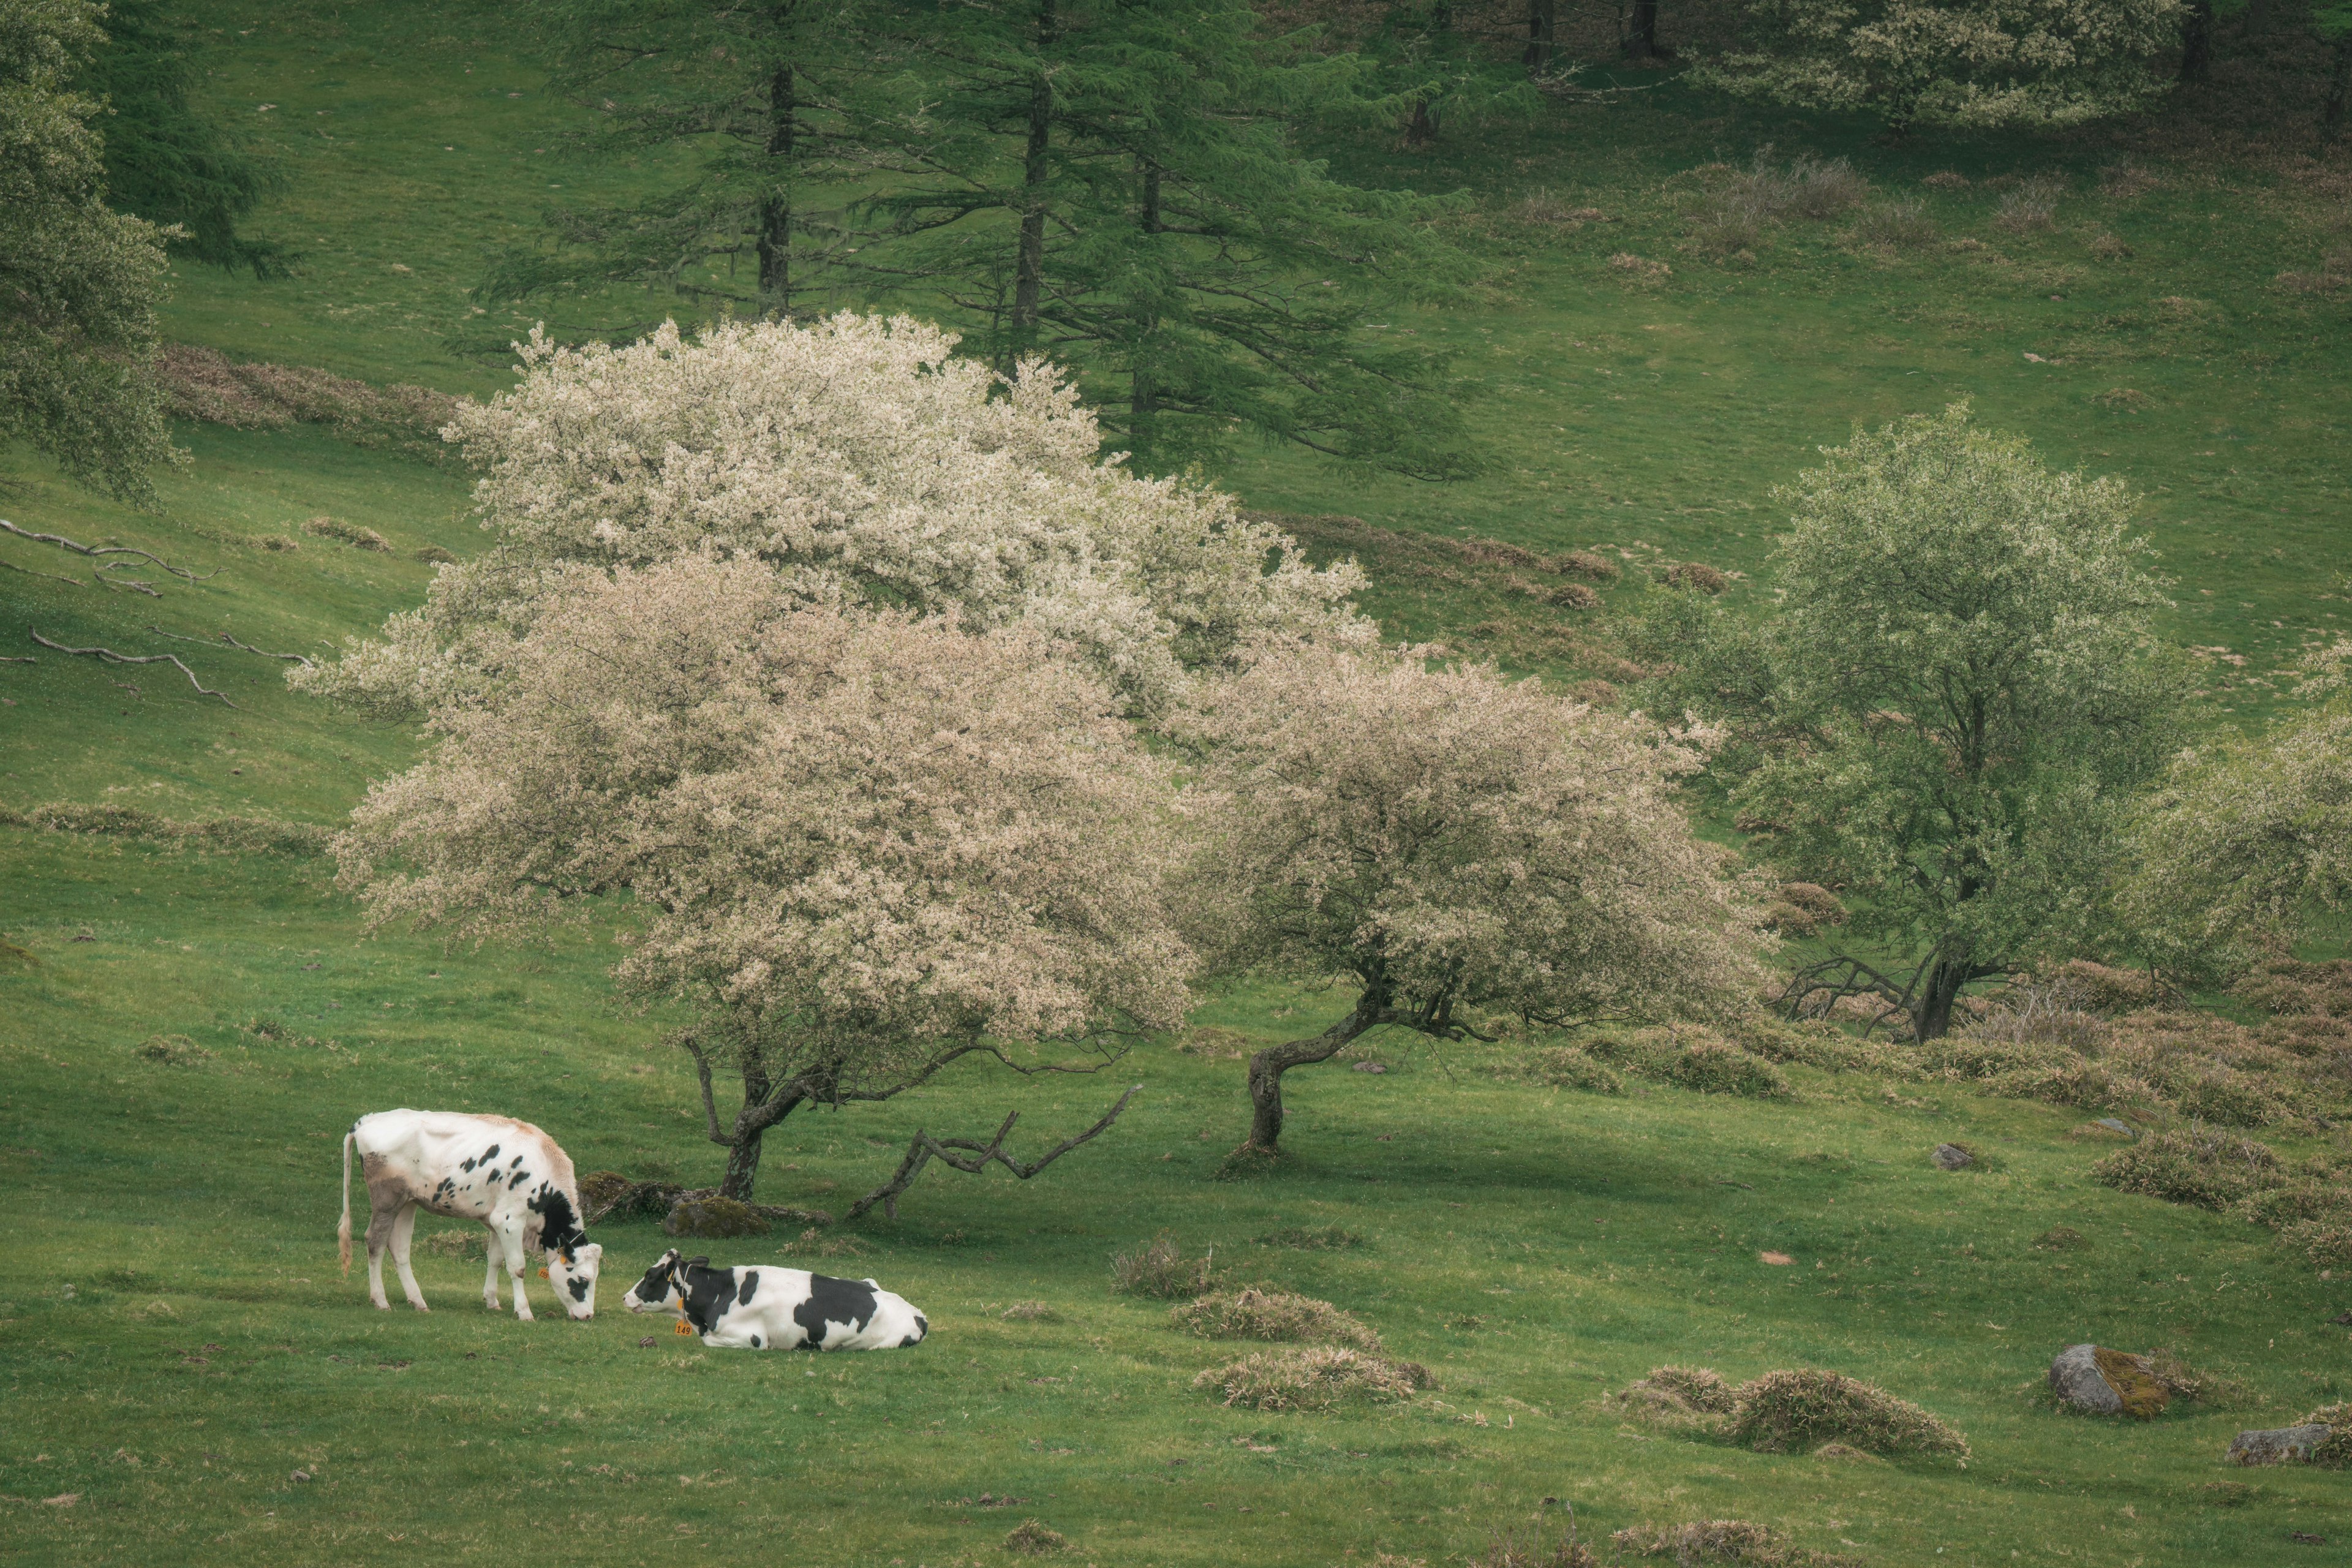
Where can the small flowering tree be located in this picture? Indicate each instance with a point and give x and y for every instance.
(1450, 845)
(860, 845)
(857, 461)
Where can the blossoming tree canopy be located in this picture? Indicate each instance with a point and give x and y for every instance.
(1455, 844)
(858, 844)
(857, 460)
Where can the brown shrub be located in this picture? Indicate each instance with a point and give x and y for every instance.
(278, 541)
(1313, 1379)
(1594, 693)
(1565, 1067)
(1585, 564)
(1803, 1407)
(1031, 1539)
(2197, 1386)
(2062, 1238)
(1253, 1314)
(2103, 988)
(1699, 1389)
(1815, 901)
(200, 383)
(1159, 1268)
(1639, 269)
(1721, 1541)
(174, 1050)
(1897, 225)
(1509, 1548)
(1572, 597)
(1947, 180)
(434, 556)
(350, 533)
(1697, 575)
(2334, 1452)
(2110, 247)
(2197, 1166)
(2032, 205)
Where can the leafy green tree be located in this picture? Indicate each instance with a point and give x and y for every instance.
(1969, 65)
(1114, 184)
(166, 160)
(1951, 710)
(761, 101)
(2332, 24)
(78, 281)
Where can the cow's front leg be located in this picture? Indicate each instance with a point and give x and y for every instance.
(490, 1274)
(511, 1239)
(379, 1235)
(403, 1230)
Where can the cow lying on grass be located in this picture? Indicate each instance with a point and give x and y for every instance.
(507, 1174)
(776, 1308)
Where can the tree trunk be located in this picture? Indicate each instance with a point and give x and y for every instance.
(1641, 32)
(2339, 89)
(1543, 26)
(1267, 1067)
(1931, 1008)
(1420, 130)
(2197, 42)
(775, 243)
(1143, 401)
(1029, 269)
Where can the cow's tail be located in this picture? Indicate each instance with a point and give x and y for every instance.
(344, 1231)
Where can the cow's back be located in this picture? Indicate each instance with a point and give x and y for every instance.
(433, 1156)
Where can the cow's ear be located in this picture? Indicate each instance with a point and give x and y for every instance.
(698, 1263)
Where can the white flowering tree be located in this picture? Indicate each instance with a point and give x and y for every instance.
(859, 845)
(858, 461)
(1451, 845)
(2248, 838)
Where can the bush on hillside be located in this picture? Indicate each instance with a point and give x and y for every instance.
(1313, 1379)
(2334, 1452)
(1564, 1067)
(1690, 1058)
(1253, 1314)
(1677, 1392)
(1159, 1268)
(2196, 1166)
(1805, 1407)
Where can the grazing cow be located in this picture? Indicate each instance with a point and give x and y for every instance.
(776, 1308)
(507, 1174)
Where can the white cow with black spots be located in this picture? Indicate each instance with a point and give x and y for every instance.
(507, 1174)
(776, 1308)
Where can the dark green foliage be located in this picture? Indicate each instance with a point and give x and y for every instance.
(1801, 1407)
(166, 159)
(78, 281)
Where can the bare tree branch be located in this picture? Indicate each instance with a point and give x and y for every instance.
(110, 656)
(243, 648)
(62, 542)
(976, 1157)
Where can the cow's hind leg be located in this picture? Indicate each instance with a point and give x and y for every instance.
(379, 1235)
(511, 1239)
(490, 1275)
(403, 1230)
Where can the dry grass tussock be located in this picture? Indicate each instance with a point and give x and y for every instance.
(202, 385)
(350, 533)
(1722, 1541)
(1903, 225)
(2333, 1452)
(1511, 1549)
(1030, 1312)
(2031, 205)
(174, 1050)
(1031, 1539)
(1677, 1396)
(232, 835)
(1731, 216)
(2200, 1167)
(1689, 1057)
(1159, 1268)
(1313, 1378)
(1253, 1314)
(2050, 1040)
(1804, 1407)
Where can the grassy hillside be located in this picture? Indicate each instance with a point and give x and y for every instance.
(177, 1342)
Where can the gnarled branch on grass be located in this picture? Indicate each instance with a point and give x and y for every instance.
(242, 647)
(95, 551)
(973, 1158)
(110, 656)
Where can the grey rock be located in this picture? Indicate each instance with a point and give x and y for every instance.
(2278, 1445)
(1371, 1066)
(1952, 1157)
(2113, 1125)
(2075, 1376)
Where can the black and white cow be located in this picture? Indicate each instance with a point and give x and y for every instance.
(776, 1308)
(507, 1174)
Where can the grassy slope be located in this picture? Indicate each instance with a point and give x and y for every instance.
(1589, 1238)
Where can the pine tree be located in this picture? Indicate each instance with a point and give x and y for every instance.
(165, 160)
(766, 97)
(1115, 186)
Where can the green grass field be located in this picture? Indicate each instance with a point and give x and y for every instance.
(174, 1335)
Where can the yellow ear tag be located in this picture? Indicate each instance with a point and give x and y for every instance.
(542, 1274)
(681, 1327)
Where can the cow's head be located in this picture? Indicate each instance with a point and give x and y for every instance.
(662, 1289)
(572, 1271)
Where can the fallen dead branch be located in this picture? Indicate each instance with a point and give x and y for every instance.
(242, 647)
(96, 551)
(975, 1157)
(110, 656)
